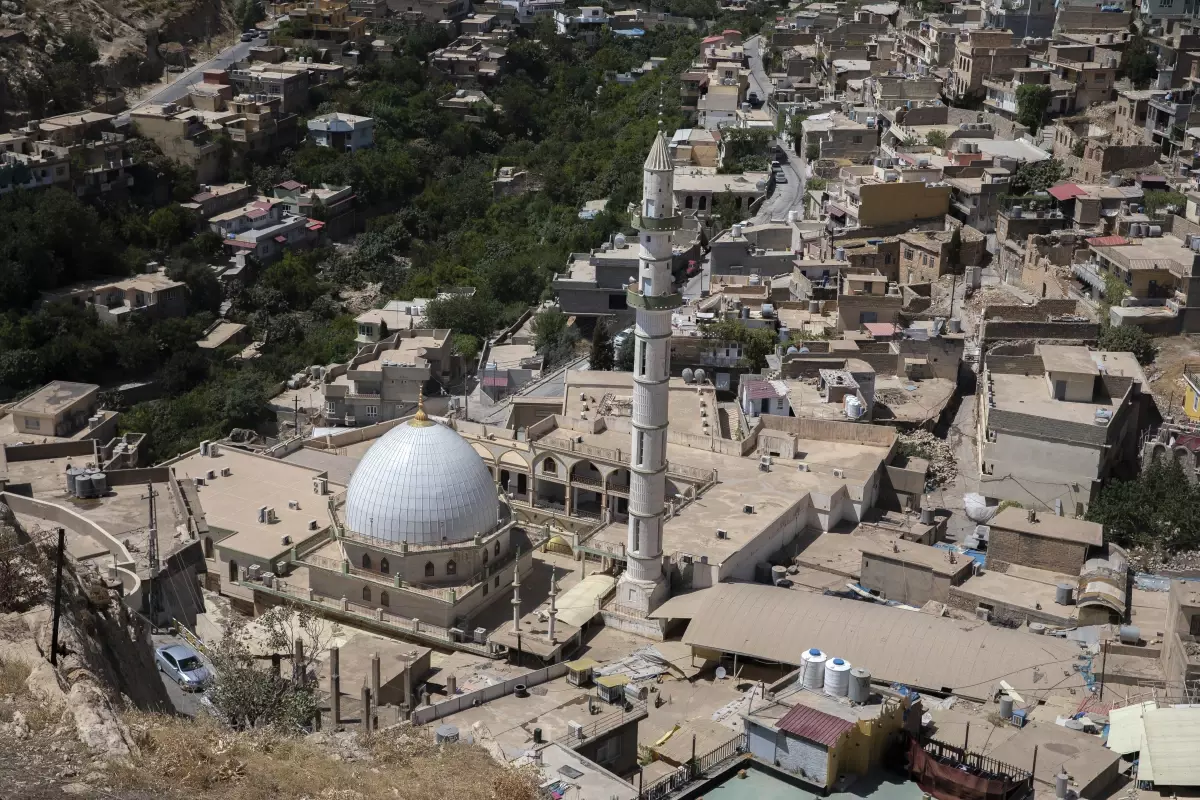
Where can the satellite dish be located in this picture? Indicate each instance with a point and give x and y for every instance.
(721, 673)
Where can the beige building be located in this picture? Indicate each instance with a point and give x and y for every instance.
(912, 573)
(384, 381)
(1056, 423)
(1180, 651)
(60, 408)
(925, 256)
(984, 53)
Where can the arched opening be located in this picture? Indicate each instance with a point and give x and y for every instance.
(208, 547)
(549, 465)
(451, 567)
(497, 548)
(366, 561)
(385, 567)
(384, 600)
(687, 201)
(485, 556)
(366, 594)
(702, 203)
(233, 571)
(428, 569)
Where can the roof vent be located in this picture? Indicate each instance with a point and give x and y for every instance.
(722, 533)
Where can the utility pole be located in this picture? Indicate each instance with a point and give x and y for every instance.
(62, 546)
(296, 413)
(154, 590)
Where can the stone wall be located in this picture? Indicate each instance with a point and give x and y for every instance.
(961, 598)
(998, 330)
(1011, 547)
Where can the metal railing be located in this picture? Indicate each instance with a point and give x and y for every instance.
(605, 724)
(695, 769)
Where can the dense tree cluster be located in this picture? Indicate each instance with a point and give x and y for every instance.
(1159, 509)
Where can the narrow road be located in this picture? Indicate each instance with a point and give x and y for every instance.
(787, 196)
(178, 88)
(760, 84)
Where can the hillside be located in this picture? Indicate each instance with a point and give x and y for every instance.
(133, 39)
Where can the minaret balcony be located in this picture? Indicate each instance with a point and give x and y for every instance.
(658, 223)
(655, 302)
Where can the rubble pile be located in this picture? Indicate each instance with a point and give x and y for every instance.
(1156, 561)
(939, 454)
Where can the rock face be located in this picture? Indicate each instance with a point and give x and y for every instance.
(95, 723)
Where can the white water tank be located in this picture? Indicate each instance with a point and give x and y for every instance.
(736, 231)
(837, 677)
(854, 407)
(812, 674)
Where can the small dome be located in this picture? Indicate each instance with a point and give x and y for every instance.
(423, 484)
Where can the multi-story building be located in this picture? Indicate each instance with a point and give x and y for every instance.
(380, 323)
(1057, 422)
(879, 199)
(325, 22)
(1133, 107)
(975, 195)
(470, 104)
(430, 10)
(264, 229)
(926, 44)
(115, 301)
(1090, 71)
(980, 53)
(469, 60)
(288, 82)
(218, 198)
(1001, 93)
(925, 255)
(182, 135)
(837, 136)
(1161, 275)
(696, 189)
(78, 152)
(386, 379)
(342, 132)
(331, 205)
(1025, 18)
(585, 21)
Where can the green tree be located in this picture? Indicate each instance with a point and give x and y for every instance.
(171, 225)
(601, 355)
(553, 337)
(624, 361)
(1156, 201)
(1037, 176)
(936, 138)
(249, 13)
(1128, 339)
(466, 346)
(1160, 508)
(1137, 62)
(476, 315)
(1032, 101)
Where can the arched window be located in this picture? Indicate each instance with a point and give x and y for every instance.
(451, 567)
(384, 566)
(485, 549)
(549, 466)
(497, 547)
(485, 590)
(384, 600)
(366, 562)
(702, 203)
(687, 201)
(428, 569)
(208, 547)
(366, 594)
(233, 572)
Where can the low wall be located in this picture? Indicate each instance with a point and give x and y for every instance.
(463, 701)
(345, 438)
(44, 452)
(128, 477)
(995, 330)
(1041, 310)
(828, 430)
(58, 516)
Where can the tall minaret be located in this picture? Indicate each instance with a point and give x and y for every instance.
(516, 599)
(654, 298)
(553, 612)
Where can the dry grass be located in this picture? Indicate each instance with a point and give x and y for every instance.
(13, 675)
(201, 758)
(39, 714)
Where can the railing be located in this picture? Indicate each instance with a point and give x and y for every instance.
(391, 547)
(605, 724)
(584, 480)
(695, 769)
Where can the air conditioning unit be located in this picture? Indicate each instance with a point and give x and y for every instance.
(480, 636)
(286, 540)
(983, 613)
(837, 473)
(197, 481)
(722, 533)
(226, 472)
(802, 466)
(574, 729)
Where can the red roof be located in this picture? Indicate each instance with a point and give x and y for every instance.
(315, 225)
(813, 725)
(757, 390)
(1066, 191)
(281, 239)
(291, 185)
(728, 31)
(1107, 241)
(880, 328)
(240, 243)
(712, 39)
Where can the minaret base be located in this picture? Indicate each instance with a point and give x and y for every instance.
(634, 600)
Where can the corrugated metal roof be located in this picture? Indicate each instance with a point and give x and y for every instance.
(1125, 729)
(814, 725)
(1066, 191)
(757, 390)
(919, 650)
(1173, 740)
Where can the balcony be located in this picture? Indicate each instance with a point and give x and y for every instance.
(657, 224)
(1090, 274)
(659, 302)
(605, 724)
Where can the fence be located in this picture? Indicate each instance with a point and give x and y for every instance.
(480, 696)
(604, 724)
(694, 770)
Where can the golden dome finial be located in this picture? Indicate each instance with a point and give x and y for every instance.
(421, 420)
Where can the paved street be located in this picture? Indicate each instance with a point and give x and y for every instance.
(760, 84)
(178, 89)
(186, 703)
(790, 195)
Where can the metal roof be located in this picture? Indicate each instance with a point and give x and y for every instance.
(814, 725)
(1172, 741)
(1107, 241)
(1066, 191)
(908, 647)
(1125, 728)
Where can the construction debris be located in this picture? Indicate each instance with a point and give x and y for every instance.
(923, 444)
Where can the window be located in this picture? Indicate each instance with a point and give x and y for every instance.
(702, 203)
(485, 555)
(384, 600)
(687, 201)
(858, 140)
(497, 550)
(233, 572)
(428, 569)
(331, 407)
(609, 751)
(641, 371)
(366, 594)
(372, 411)
(366, 561)
(451, 567)
(641, 444)
(385, 567)
(637, 535)
(618, 302)
(1195, 407)
(32, 424)
(908, 253)
(497, 584)
(549, 465)
(208, 543)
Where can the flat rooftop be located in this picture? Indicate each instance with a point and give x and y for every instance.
(1150, 253)
(934, 559)
(1060, 358)
(219, 335)
(687, 401)
(693, 179)
(899, 399)
(232, 502)
(1030, 589)
(510, 356)
(1030, 394)
(54, 397)
(1050, 526)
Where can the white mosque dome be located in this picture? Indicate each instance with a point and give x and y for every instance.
(421, 483)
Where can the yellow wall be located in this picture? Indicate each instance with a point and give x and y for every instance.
(1191, 401)
(887, 203)
(862, 749)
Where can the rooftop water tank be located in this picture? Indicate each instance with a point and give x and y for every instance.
(812, 675)
(854, 407)
(837, 677)
(860, 685)
(99, 484)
